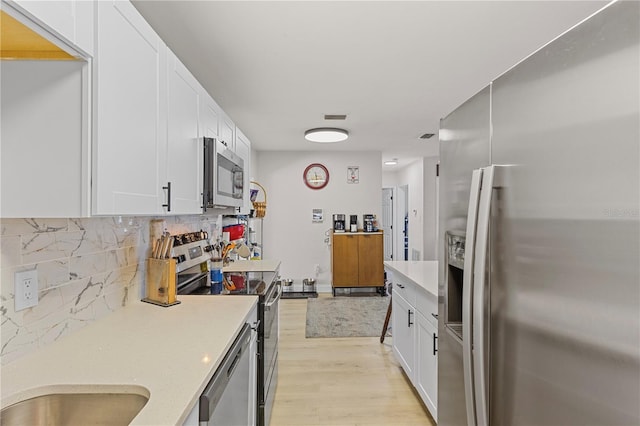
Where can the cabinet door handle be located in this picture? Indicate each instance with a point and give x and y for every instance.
(400, 285)
(168, 188)
(435, 342)
(434, 315)
(409, 318)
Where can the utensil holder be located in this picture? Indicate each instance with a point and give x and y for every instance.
(161, 282)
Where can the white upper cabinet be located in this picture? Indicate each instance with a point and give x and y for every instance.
(46, 173)
(42, 172)
(129, 122)
(209, 115)
(71, 19)
(226, 131)
(125, 123)
(185, 149)
(243, 150)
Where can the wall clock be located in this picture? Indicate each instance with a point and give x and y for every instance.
(316, 176)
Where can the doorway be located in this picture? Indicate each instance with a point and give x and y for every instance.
(387, 222)
(395, 220)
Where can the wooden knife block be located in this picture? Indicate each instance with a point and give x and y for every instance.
(161, 282)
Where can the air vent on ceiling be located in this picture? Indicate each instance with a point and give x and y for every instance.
(335, 116)
(427, 136)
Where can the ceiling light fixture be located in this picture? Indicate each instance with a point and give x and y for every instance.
(326, 135)
(391, 162)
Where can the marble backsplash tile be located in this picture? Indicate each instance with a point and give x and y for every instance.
(87, 268)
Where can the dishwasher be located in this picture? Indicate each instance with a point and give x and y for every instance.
(226, 400)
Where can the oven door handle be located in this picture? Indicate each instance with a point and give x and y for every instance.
(267, 306)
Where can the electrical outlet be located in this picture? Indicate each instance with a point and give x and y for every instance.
(26, 289)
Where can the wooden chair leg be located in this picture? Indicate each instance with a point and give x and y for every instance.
(386, 322)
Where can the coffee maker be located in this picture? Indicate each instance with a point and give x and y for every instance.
(353, 223)
(339, 223)
(368, 222)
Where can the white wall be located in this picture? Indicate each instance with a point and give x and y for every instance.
(430, 202)
(289, 233)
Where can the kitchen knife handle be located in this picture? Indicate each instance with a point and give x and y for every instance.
(168, 188)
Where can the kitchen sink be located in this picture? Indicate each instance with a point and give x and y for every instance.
(97, 408)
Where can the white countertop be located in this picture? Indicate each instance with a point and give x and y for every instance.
(168, 353)
(422, 272)
(252, 266)
(357, 233)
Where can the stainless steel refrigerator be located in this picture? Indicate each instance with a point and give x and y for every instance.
(539, 283)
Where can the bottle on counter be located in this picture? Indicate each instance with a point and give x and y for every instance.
(216, 281)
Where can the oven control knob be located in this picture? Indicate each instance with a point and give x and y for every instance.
(207, 249)
(180, 258)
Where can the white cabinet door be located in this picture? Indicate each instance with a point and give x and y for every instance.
(226, 131)
(243, 150)
(70, 19)
(426, 378)
(403, 326)
(193, 419)
(184, 144)
(209, 115)
(130, 125)
(57, 15)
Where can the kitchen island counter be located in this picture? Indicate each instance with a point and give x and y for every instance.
(168, 354)
(422, 272)
(252, 266)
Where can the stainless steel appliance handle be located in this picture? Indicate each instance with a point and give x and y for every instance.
(480, 356)
(267, 306)
(467, 293)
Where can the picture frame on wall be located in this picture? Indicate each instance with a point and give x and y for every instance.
(353, 174)
(317, 216)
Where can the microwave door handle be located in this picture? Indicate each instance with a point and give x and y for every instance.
(467, 293)
(480, 356)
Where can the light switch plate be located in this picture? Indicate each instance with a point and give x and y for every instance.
(26, 289)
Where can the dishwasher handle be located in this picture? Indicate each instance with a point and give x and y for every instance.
(215, 388)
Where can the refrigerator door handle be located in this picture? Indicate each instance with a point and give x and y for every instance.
(467, 293)
(480, 356)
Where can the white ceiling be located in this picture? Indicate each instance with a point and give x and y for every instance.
(394, 67)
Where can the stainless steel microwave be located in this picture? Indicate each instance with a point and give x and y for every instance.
(223, 176)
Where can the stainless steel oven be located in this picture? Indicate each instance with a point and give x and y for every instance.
(269, 374)
(191, 252)
(265, 286)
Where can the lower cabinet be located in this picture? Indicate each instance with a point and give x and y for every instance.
(426, 368)
(403, 330)
(415, 339)
(357, 260)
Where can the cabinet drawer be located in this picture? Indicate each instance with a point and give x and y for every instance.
(427, 305)
(405, 288)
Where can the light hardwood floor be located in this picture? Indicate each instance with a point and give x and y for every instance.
(339, 381)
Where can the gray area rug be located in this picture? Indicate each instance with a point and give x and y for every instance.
(346, 316)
